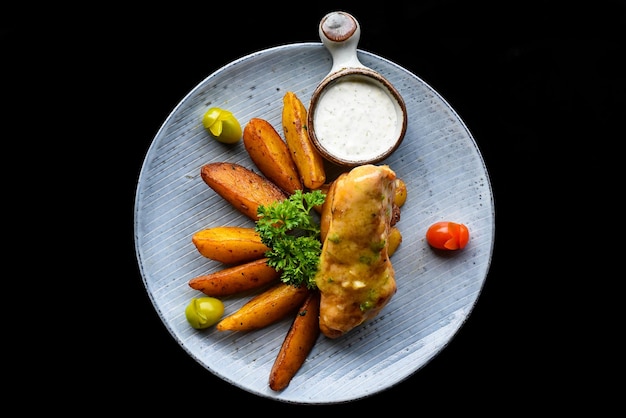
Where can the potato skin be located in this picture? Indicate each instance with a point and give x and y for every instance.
(265, 308)
(241, 187)
(324, 188)
(394, 240)
(230, 244)
(236, 279)
(298, 342)
(325, 213)
(271, 155)
(400, 197)
(308, 160)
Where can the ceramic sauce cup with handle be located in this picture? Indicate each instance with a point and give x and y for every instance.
(355, 116)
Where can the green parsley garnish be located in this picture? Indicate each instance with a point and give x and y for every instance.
(293, 236)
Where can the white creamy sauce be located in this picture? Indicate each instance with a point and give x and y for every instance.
(356, 120)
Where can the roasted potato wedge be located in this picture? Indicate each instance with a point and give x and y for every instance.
(395, 214)
(230, 244)
(307, 158)
(236, 279)
(326, 214)
(324, 188)
(241, 187)
(271, 155)
(266, 308)
(297, 344)
(393, 240)
(400, 197)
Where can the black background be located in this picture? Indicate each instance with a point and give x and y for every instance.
(531, 80)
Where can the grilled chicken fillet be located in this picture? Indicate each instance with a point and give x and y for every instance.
(355, 277)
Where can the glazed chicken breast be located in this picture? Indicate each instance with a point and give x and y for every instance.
(355, 276)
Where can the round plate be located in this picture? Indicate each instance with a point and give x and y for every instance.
(446, 180)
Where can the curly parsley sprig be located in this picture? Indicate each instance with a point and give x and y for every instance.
(293, 236)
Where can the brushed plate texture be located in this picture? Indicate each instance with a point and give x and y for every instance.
(446, 180)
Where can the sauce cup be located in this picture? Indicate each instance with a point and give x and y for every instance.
(355, 115)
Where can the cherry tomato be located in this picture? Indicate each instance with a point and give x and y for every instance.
(447, 235)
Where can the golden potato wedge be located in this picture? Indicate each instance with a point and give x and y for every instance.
(400, 196)
(395, 214)
(241, 187)
(298, 342)
(324, 189)
(230, 244)
(265, 308)
(393, 240)
(326, 214)
(236, 279)
(271, 155)
(307, 158)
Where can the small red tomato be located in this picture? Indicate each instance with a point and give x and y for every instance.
(447, 235)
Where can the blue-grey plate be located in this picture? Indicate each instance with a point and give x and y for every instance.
(446, 180)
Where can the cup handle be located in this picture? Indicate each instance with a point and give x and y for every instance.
(340, 33)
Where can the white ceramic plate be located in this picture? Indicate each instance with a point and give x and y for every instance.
(446, 180)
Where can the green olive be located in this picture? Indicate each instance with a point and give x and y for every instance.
(222, 125)
(204, 312)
